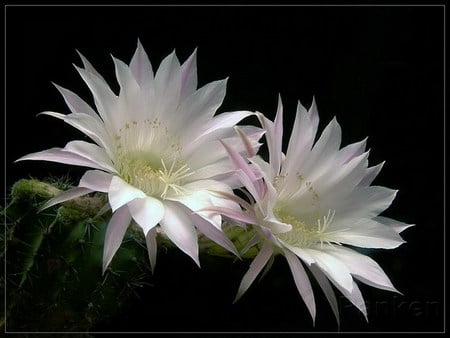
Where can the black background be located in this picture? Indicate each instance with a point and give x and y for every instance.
(379, 69)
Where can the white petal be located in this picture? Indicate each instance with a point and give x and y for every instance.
(142, 68)
(96, 180)
(121, 193)
(114, 234)
(89, 125)
(147, 212)
(61, 156)
(363, 268)
(189, 76)
(75, 103)
(104, 98)
(302, 282)
(397, 226)
(371, 173)
(255, 268)
(177, 225)
(65, 196)
(214, 234)
(92, 152)
(302, 254)
(333, 268)
(368, 233)
(354, 296)
(327, 290)
(350, 151)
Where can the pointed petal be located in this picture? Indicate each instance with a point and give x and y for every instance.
(333, 268)
(114, 234)
(121, 193)
(179, 228)
(141, 67)
(371, 173)
(302, 282)
(214, 234)
(397, 226)
(147, 212)
(96, 180)
(75, 103)
(350, 151)
(60, 156)
(90, 126)
(189, 76)
(152, 248)
(65, 196)
(91, 152)
(255, 268)
(363, 268)
(327, 290)
(354, 296)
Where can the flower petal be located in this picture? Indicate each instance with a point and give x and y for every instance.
(189, 76)
(65, 196)
(141, 68)
(96, 180)
(363, 268)
(147, 212)
(327, 290)
(255, 268)
(75, 103)
(114, 234)
(179, 228)
(302, 282)
(92, 152)
(121, 193)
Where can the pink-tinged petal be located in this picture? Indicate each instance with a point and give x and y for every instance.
(121, 193)
(397, 226)
(255, 268)
(104, 98)
(239, 216)
(65, 196)
(354, 296)
(195, 113)
(90, 126)
(189, 76)
(60, 156)
(147, 212)
(152, 248)
(141, 67)
(167, 83)
(351, 151)
(223, 120)
(246, 141)
(96, 180)
(363, 268)
(333, 268)
(91, 152)
(370, 175)
(214, 234)
(232, 197)
(114, 234)
(177, 225)
(302, 282)
(128, 84)
(75, 103)
(88, 66)
(327, 290)
(251, 181)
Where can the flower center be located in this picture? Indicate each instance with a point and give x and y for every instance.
(149, 158)
(304, 235)
(154, 180)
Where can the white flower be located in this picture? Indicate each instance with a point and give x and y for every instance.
(315, 203)
(157, 153)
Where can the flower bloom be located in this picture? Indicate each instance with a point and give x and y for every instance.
(314, 204)
(157, 152)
